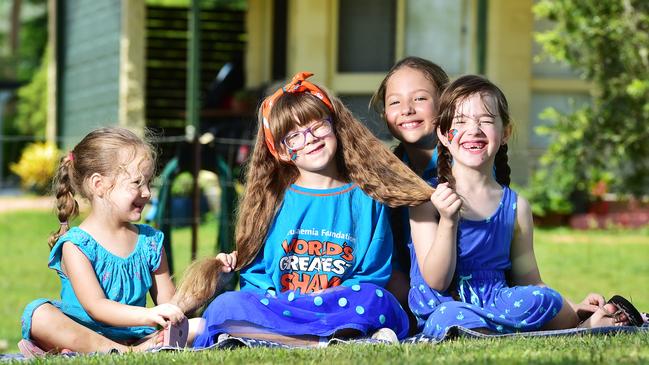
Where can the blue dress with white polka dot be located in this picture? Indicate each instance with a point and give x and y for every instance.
(479, 296)
(321, 272)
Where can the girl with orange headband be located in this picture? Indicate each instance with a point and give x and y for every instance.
(313, 237)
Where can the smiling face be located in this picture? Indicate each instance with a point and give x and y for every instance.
(411, 107)
(131, 190)
(476, 132)
(316, 149)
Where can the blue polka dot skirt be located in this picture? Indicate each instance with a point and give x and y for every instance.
(484, 303)
(361, 307)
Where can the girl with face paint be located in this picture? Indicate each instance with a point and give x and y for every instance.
(313, 239)
(474, 263)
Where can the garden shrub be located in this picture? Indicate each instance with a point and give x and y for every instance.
(37, 166)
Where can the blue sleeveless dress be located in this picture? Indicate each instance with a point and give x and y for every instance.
(322, 270)
(124, 280)
(479, 296)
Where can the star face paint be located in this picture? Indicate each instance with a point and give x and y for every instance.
(451, 134)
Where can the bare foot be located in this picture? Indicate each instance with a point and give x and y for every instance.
(606, 316)
(149, 342)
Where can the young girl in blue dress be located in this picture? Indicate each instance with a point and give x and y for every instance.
(107, 264)
(479, 241)
(313, 238)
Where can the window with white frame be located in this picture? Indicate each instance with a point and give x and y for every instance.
(366, 35)
(371, 35)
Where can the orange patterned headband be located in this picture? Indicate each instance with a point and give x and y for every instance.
(297, 85)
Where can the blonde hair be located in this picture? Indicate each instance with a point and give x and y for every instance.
(102, 151)
(360, 156)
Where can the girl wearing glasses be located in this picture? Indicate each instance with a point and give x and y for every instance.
(313, 236)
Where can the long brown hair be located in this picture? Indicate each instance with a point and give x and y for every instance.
(104, 151)
(456, 92)
(360, 156)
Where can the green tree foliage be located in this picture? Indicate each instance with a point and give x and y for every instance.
(33, 39)
(31, 117)
(607, 142)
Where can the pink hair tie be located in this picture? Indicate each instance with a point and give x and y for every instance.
(70, 156)
(64, 224)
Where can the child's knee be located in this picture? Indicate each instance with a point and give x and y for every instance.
(44, 314)
(196, 327)
(43, 319)
(566, 317)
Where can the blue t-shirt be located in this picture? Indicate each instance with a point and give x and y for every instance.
(323, 238)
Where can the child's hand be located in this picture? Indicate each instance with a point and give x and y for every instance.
(229, 260)
(164, 314)
(589, 305)
(446, 201)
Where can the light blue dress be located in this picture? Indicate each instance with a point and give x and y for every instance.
(322, 270)
(124, 280)
(479, 296)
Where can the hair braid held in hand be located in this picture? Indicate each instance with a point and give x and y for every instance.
(361, 158)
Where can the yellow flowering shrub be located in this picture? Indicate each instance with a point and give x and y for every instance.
(37, 165)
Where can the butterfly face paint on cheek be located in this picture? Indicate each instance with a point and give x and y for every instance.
(451, 134)
(293, 154)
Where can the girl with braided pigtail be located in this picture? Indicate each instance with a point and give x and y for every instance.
(107, 264)
(474, 263)
(313, 237)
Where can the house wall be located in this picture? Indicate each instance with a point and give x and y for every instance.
(88, 69)
(101, 57)
(259, 53)
(441, 31)
(509, 63)
(97, 66)
(132, 65)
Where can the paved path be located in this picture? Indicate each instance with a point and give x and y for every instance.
(14, 203)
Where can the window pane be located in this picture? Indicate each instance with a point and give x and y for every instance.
(564, 102)
(440, 31)
(366, 35)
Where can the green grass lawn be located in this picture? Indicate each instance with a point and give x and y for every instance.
(573, 262)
